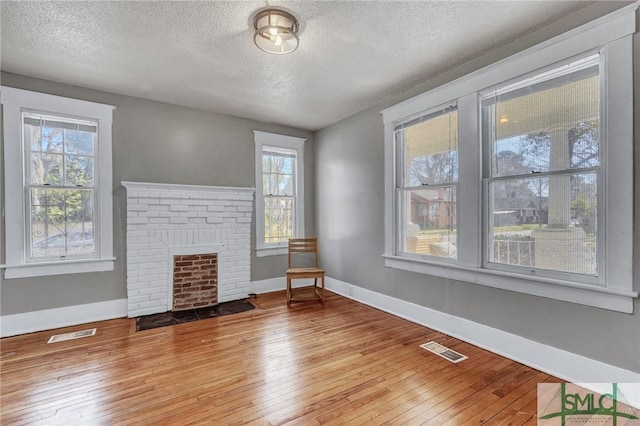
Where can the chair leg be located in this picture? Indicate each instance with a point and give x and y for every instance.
(316, 289)
(288, 291)
(322, 297)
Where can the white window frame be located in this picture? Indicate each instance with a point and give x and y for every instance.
(612, 35)
(275, 140)
(14, 101)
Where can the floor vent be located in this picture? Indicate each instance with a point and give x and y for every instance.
(443, 351)
(70, 336)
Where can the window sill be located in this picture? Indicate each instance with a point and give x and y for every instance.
(271, 251)
(590, 295)
(57, 268)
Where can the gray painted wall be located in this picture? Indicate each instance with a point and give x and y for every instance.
(154, 142)
(350, 221)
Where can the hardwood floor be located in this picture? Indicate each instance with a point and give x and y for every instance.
(341, 363)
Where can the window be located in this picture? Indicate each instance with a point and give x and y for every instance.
(58, 184)
(543, 136)
(279, 191)
(529, 185)
(426, 183)
(278, 186)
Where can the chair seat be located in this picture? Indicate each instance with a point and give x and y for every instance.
(294, 271)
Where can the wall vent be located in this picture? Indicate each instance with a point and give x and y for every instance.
(70, 336)
(444, 352)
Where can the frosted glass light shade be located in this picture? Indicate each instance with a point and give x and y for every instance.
(276, 31)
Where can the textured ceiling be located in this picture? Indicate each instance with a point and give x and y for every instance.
(352, 54)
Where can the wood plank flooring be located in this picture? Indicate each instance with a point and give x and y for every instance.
(341, 363)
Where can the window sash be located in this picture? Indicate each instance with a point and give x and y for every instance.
(273, 234)
(67, 155)
(584, 139)
(433, 231)
(61, 223)
(279, 233)
(580, 245)
(450, 146)
(69, 239)
(270, 185)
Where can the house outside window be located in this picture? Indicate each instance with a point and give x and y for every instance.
(279, 191)
(542, 202)
(58, 184)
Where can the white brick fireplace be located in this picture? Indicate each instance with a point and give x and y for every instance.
(164, 220)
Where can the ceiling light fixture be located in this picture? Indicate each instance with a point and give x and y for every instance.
(276, 31)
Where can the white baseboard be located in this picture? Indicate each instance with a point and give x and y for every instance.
(277, 284)
(47, 319)
(268, 285)
(592, 374)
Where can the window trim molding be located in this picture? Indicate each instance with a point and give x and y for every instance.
(613, 34)
(280, 141)
(13, 102)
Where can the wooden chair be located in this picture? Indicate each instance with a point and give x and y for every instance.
(300, 246)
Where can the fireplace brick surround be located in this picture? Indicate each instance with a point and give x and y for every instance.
(165, 221)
